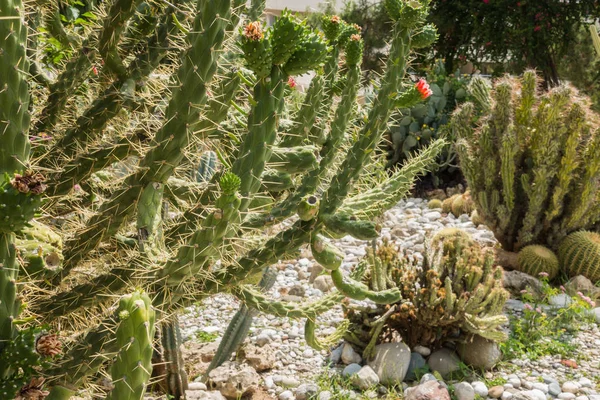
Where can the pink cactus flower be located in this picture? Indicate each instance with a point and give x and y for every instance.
(423, 88)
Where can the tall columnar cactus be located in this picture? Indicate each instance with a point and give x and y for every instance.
(132, 367)
(456, 289)
(531, 161)
(122, 178)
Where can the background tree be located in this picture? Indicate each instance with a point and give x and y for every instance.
(517, 33)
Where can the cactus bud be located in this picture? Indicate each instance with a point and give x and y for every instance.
(332, 27)
(354, 50)
(412, 13)
(257, 50)
(48, 345)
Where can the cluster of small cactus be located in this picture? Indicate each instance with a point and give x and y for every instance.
(530, 160)
(457, 204)
(124, 191)
(455, 291)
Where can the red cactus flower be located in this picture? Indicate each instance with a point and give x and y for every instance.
(95, 70)
(423, 88)
(291, 82)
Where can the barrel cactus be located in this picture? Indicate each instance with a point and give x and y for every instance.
(579, 254)
(536, 259)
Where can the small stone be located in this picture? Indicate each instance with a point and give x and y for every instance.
(427, 377)
(351, 369)
(480, 388)
(286, 395)
(444, 361)
(530, 395)
(417, 362)
(365, 378)
(515, 382)
(430, 390)
(349, 356)
(585, 382)
(506, 396)
(570, 387)
(306, 391)
(259, 358)
(554, 388)
(289, 382)
(325, 395)
(561, 300)
(336, 355)
(263, 339)
(542, 387)
(495, 392)
(196, 386)
(566, 396)
(464, 391)
(422, 350)
(297, 290)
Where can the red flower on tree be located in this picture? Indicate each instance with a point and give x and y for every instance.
(423, 88)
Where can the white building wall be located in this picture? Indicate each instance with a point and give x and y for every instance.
(294, 5)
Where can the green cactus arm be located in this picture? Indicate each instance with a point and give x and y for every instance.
(14, 94)
(371, 203)
(345, 224)
(160, 161)
(175, 377)
(114, 25)
(180, 189)
(272, 250)
(545, 153)
(325, 343)
(576, 128)
(204, 244)
(85, 357)
(306, 116)
(359, 291)
(580, 204)
(311, 181)
(256, 148)
(240, 323)
(326, 254)
(149, 219)
(259, 301)
(76, 71)
(132, 367)
(375, 126)
(60, 393)
(9, 306)
(95, 118)
(82, 167)
(256, 9)
(275, 181)
(54, 25)
(294, 160)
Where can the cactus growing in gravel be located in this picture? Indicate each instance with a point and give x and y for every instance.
(531, 160)
(121, 175)
(434, 203)
(536, 259)
(454, 290)
(579, 254)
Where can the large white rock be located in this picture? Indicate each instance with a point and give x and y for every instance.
(391, 362)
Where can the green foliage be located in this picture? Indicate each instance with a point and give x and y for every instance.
(523, 34)
(542, 331)
(530, 160)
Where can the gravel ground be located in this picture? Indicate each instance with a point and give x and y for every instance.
(295, 364)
